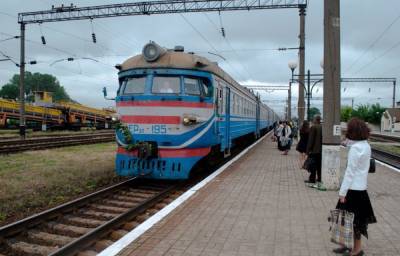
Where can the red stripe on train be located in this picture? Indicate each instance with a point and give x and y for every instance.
(165, 104)
(151, 119)
(169, 153)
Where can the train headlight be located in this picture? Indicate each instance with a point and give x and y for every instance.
(152, 51)
(189, 120)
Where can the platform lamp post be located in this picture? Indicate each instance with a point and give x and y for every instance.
(292, 65)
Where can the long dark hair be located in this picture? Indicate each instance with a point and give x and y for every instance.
(305, 128)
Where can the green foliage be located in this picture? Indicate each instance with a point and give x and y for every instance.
(313, 112)
(35, 82)
(9, 91)
(346, 113)
(368, 113)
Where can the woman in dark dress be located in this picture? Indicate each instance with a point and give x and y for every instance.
(302, 145)
(353, 195)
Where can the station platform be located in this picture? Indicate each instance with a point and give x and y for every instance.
(260, 205)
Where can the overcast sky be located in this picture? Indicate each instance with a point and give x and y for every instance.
(369, 38)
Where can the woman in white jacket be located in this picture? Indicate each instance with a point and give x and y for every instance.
(353, 195)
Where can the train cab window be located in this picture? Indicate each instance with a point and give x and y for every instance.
(206, 88)
(166, 85)
(191, 86)
(134, 85)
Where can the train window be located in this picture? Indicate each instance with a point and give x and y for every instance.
(166, 85)
(207, 89)
(191, 86)
(134, 85)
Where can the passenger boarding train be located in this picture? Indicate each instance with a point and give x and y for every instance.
(177, 108)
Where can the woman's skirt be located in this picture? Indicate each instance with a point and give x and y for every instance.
(358, 202)
(302, 146)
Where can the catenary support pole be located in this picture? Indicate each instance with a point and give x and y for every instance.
(308, 95)
(394, 94)
(300, 104)
(22, 127)
(290, 101)
(331, 131)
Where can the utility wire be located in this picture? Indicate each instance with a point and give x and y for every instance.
(378, 57)
(374, 42)
(209, 43)
(228, 43)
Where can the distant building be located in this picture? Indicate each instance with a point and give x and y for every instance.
(390, 120)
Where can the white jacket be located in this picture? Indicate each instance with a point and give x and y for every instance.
(355, 177)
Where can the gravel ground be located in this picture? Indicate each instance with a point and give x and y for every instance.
(37, 180)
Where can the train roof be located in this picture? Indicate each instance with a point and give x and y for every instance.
(182, 60)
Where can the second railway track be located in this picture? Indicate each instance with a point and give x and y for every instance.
(14, 146)
(87, 225)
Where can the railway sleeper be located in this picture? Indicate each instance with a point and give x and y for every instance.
(107, 209)
(130, 225)
(67, 230)
(49, 239)
(24, 248)
(116, 203)
(82, 222)
(136, 192)
(102, 244)
(87, 253)
(127, 199)
(118, 234)
(98, 214)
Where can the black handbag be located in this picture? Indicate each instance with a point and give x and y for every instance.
(372, 166)
(308, 164)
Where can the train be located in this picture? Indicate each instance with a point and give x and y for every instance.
(176, 108)
(45, 114)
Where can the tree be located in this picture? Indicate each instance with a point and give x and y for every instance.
(313, 112)
(9, 91)
(368, 113)
(346, 113)
(38, 82)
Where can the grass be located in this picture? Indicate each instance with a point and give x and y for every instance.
(32, 181)
(389, 148)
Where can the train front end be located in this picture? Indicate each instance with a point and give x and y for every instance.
(166, 110)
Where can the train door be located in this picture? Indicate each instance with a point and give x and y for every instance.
(227, 122)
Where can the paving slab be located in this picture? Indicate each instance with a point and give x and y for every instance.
(261, 206)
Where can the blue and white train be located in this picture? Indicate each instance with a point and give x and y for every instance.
(177, 108)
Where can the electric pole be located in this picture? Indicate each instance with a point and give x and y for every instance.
(300, 104)
(331, 131)
(22, 127)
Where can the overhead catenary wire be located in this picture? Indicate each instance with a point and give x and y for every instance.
(374, 43)
(210, 44)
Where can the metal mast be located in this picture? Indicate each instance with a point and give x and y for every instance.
(71, 12)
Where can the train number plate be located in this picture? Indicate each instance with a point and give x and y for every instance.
(148, 129)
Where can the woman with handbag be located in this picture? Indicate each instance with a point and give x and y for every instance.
(302, 144)
(285, 138)
(353, 196)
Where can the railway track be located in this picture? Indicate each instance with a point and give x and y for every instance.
(384, 138)
(13, 146)
(89, 224)
(386, 157)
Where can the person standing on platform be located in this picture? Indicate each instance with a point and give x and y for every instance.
(285, 138)
(279, 134)
(314, 150)
(302, 145)
(353, 196)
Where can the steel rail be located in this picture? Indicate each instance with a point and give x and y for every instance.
(82, 242)
(36, 219)
(386, 157)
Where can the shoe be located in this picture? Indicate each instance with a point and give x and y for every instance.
(308, 181)
(341, 250)
(360, 253)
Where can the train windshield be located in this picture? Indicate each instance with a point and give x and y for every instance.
(134, 85)
(191, 86)
(166, 85)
